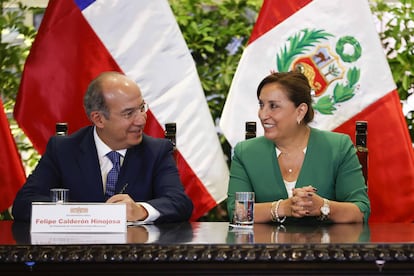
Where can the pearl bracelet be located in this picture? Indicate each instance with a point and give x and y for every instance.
(274, 212)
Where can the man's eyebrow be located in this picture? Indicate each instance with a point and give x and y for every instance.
(128, 109)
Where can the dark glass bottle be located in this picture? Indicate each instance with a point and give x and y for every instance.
(250, 130)
(61, 129)
(170, 133)
(361, 133)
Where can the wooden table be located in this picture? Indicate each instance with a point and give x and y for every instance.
(212, 248)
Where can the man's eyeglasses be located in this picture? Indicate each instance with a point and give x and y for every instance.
(132, 112)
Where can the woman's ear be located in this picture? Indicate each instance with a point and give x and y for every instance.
(302, 109)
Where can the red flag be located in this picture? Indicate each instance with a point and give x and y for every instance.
(77, 40)
(11, 167)
(336, 44)
(6, 233)
(54, 79)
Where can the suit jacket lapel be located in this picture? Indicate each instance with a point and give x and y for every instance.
(89, 165)
(273, 165)
(308, 164)
(131, 169)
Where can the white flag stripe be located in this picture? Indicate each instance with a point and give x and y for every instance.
(260, 57)
(149, 47)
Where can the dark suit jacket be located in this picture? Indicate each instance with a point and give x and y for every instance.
(72, 162)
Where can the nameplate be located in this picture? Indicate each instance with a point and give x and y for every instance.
(78, 218)
(78, 238)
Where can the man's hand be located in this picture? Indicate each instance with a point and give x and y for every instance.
(135, 211)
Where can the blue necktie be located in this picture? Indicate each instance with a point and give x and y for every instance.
(112, 176)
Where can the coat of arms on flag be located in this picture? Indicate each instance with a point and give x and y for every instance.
(323, 65)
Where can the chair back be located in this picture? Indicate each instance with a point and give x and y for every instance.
(361, 136)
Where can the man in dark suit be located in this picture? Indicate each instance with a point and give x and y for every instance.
(148, 180)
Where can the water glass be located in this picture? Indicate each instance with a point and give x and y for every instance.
(59, 195)
(244, 209)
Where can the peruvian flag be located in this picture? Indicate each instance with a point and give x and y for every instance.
(12, 175)
(78, 40)
(336, 45)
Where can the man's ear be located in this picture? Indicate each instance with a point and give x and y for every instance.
(97, 118)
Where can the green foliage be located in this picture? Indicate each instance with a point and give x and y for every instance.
(209, 28)
(13, 53)
(397, 38)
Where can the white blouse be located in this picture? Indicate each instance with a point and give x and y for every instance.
(290, 185)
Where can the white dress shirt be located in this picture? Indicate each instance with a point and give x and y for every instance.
(106, 165)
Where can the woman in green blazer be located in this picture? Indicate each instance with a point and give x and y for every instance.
(297, 172)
